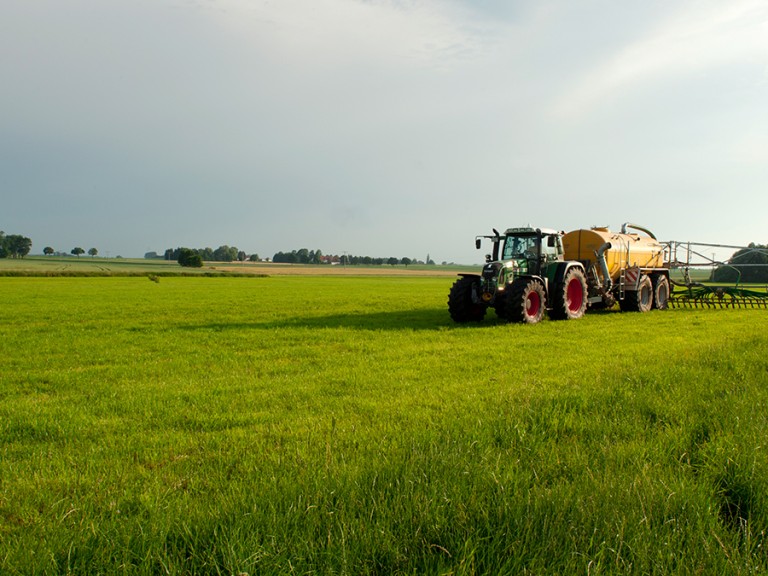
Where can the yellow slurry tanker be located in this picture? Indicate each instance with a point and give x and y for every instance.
(624, 267)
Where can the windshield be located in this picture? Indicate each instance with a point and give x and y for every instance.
(519, 247)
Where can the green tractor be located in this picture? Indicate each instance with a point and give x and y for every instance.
(524, 276)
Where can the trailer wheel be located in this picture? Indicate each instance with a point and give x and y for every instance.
(660, 292)
(525, 301)
(461, 304)
(570, 297)
(640, 300)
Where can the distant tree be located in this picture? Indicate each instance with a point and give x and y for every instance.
(190, 258)
(16, 245)
(77, 251)
(241, 256)
(406, 261)
(92, 252)
(748, 265)
(317, 257)
(225, 254)
(393, 261)
(254, 258)
(3, 250)
(47, 250)
(206, 254)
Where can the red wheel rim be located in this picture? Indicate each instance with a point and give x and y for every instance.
(532, 304)
(575, 295)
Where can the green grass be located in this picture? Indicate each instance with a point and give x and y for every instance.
(344, 425)
(52, 266)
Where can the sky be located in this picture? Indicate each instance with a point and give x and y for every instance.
(379, 127)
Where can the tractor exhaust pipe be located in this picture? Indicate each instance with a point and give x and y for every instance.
(607, 282)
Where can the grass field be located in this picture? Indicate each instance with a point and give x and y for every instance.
(56, 266)
(344, 425)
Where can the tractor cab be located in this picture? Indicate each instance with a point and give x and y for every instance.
(529, 249)
(519, 252)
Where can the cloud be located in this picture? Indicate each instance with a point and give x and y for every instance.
(340, 33)
(697, 38)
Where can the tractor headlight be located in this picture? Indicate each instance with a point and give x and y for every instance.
(507, 274)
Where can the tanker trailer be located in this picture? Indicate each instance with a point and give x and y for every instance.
(624, 267)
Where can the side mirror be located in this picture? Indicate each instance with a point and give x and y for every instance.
(478, 243)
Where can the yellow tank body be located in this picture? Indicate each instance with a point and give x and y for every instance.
(626, 251)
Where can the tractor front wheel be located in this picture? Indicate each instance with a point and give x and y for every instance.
(525, 302)
(461, 301)
(570, 297)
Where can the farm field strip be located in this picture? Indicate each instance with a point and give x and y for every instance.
(333, 425)
(87, 266)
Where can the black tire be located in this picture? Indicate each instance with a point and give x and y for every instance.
(525, 302)
(660, 292)
(640, 300)
(461, 304)
(569, 299)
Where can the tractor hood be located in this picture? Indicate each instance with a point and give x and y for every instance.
(504, 271)
(518, 265)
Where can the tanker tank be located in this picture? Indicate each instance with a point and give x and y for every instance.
(620, 250)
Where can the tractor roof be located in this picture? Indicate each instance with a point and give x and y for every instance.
(524, 231)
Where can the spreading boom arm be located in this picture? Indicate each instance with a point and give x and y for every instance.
(708, 290)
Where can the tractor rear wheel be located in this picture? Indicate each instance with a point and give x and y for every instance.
(525, 301)
(569, 301)
(640, 300)
(660, 292)
(461, 303)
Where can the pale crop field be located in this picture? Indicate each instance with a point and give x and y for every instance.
(344, 425)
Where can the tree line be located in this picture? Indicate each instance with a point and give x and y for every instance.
(221, 254)
(18, 246)
(194, 257)
(302, 256)
(305, 256)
